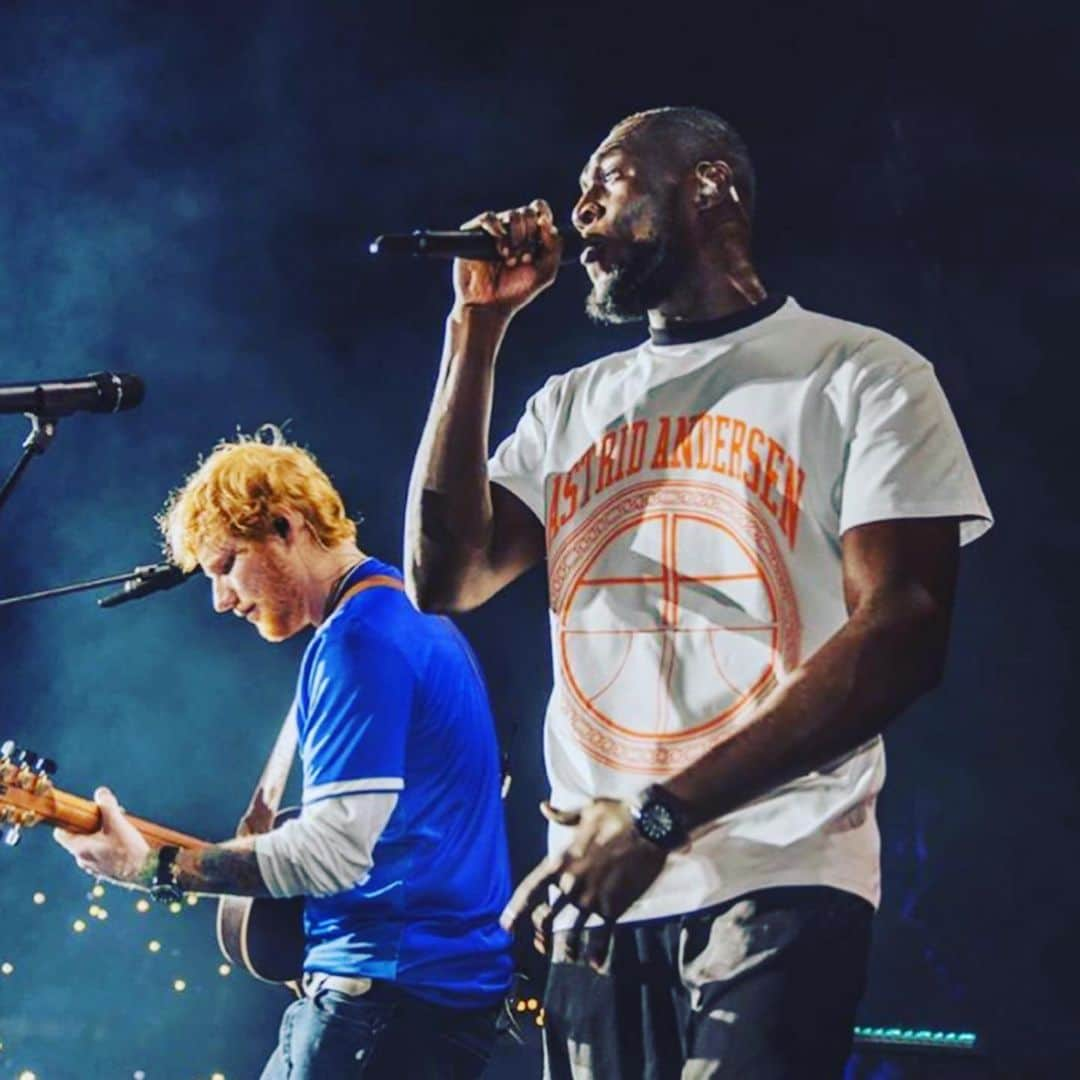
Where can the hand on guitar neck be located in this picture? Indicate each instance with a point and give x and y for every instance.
(263, 936)
(116, 851)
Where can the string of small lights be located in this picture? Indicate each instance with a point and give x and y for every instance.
(131, 913)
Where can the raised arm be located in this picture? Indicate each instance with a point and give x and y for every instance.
(464, 537)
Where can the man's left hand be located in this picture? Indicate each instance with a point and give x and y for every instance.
(605, 868)
(117, 851)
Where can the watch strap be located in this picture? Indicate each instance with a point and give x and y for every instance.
(165, 888)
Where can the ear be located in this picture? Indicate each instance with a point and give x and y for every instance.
(288, 525)
(713, 184)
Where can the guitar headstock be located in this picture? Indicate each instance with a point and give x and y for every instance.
(25, 783)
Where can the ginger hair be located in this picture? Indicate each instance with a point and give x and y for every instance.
(239, 491)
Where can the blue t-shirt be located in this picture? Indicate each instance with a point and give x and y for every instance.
(392, 700)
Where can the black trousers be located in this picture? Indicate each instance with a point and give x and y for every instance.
(763, 987)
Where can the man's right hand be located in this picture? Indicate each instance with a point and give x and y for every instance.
(529, 248)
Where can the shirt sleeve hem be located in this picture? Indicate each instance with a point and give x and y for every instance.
(524, 491)
(974, 521)
(360, 786)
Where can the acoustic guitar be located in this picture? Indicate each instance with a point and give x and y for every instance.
(263, 936)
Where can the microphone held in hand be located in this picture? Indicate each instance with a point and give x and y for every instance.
(461, 244)
(102, 392)
(147, 580)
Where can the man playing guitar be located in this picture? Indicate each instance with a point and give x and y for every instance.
(400, 848)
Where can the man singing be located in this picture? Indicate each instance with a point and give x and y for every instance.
(400, 848)
(751, 524)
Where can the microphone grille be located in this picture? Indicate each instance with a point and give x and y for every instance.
(118, 391)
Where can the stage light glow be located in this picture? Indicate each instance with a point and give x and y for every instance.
(191, 900)
(92, 910)
(224, 969)
(532, 1004)
(26, 1074)
(154, 946)
(176, 907)
(78, 926)
(966, 1040)
(7, 967)
(39, 898)
(142, 905)
(179, 985)
(98, 891)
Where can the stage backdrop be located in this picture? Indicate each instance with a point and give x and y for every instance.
(187, 191)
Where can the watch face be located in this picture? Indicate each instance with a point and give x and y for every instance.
(656, 821)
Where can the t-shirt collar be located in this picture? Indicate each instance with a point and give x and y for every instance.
(682, 333)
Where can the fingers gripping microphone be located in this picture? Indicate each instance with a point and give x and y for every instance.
(461, 244)
(102, 392)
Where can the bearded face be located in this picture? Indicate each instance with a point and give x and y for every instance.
(639, 278)
(257, 581)
(634, 254)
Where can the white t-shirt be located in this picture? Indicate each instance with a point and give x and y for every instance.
(694, 495)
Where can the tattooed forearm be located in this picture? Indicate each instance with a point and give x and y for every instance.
(230, 868)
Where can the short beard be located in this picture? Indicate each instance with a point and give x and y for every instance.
(627, 293)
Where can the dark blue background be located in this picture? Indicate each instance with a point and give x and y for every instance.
(186, 192)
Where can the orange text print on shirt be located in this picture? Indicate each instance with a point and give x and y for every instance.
(706, 442)
(674, 606)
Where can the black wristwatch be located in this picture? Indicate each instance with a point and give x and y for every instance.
(165, 889)
(659, 818)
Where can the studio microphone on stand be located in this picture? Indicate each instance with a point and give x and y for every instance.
(102, 392)
(147, 580)
(461, 244)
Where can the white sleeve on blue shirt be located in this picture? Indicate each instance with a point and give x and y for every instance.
(355, 703)
(328, 849)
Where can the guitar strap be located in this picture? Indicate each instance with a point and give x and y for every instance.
(271, 786)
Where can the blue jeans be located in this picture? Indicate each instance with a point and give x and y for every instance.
(385, 1034)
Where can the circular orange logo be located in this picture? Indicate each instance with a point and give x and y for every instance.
(675, 615)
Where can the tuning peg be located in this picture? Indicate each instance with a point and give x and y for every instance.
(28, 759)
(11, 833)
(45, 767)
(8, 749)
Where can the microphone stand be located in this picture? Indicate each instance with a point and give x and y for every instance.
(42, 430)
(138, 576)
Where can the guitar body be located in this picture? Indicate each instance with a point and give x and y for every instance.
(263, 936)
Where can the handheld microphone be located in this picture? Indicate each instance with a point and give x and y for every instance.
(461, 244)
(148, 579)
(102, 392)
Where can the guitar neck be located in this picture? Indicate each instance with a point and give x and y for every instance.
(83, 816)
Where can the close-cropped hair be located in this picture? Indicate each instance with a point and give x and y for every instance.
(702, 136)
(240, 490)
